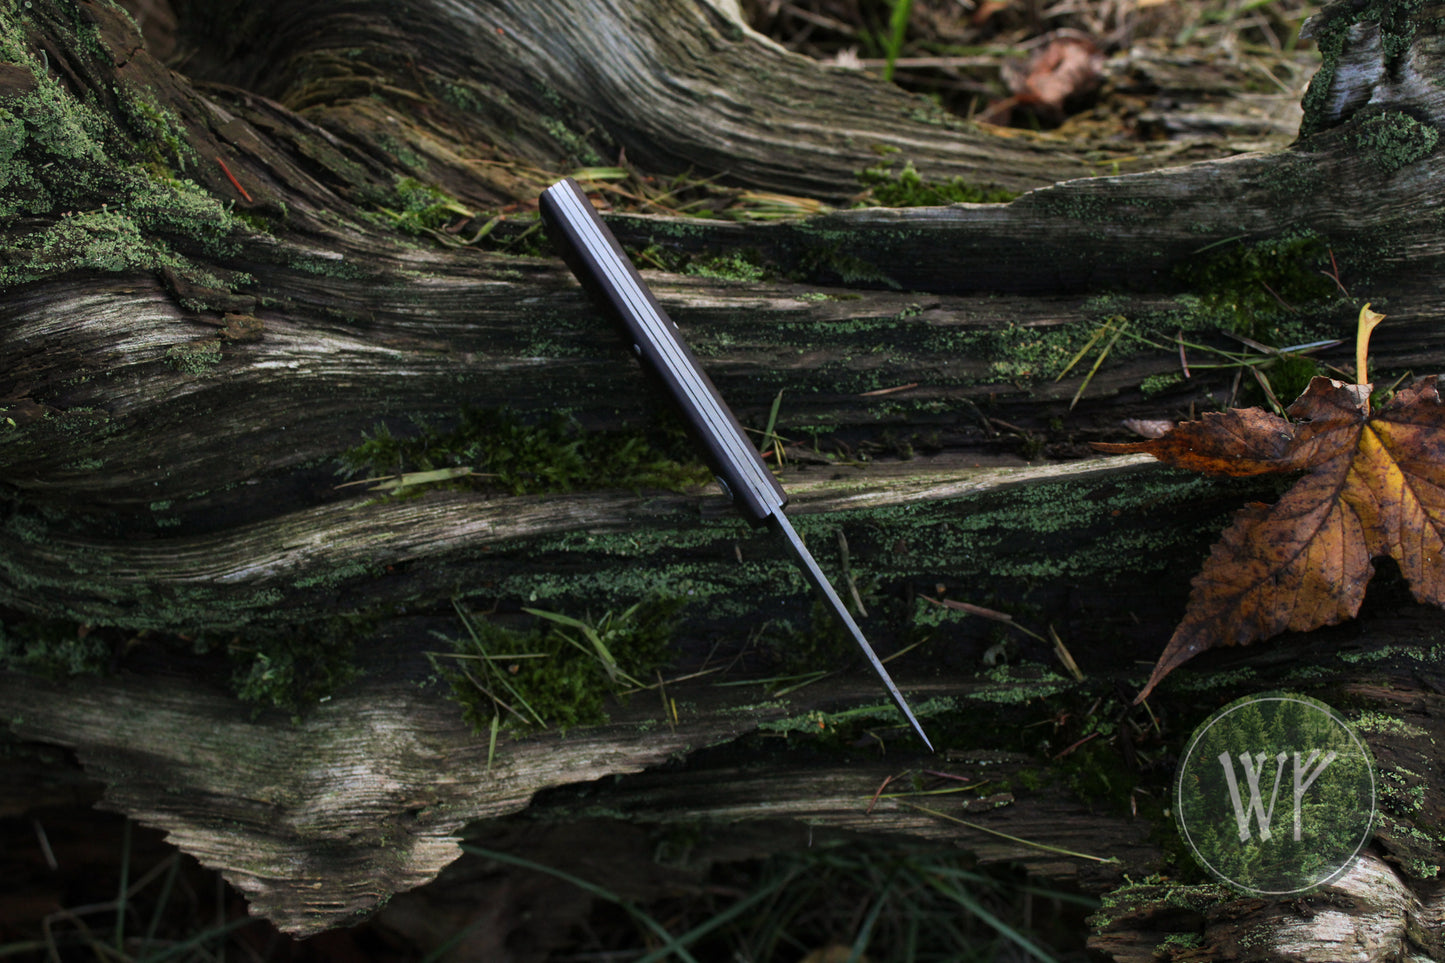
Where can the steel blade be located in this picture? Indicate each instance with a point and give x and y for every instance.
(820, 582)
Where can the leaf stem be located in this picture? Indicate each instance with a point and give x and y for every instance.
(1368, 320)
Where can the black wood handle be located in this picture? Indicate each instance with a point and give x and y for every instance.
(608, 275)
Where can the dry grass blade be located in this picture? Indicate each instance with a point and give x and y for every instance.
(1045, 847)
(1117, 331)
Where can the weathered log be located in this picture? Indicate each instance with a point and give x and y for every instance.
(210, 294)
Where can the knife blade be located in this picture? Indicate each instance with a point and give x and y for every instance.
(608, 275)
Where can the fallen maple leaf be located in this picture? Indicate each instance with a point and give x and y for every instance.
(1375, 487)
(1065, 71)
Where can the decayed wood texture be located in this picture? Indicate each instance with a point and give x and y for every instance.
(674, 84)
(341, 328)
(181, 378)
(318, 822)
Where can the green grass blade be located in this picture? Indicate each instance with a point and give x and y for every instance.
(721, 919)
(1103, 353)
(897, 30)
(1011, 838)
(964, 899)
(199, 940)
(1095, 338)
(163, 901)
(591, 888)
(492, 740)
(770, 434)
(560, 619)
(865, 932)
(121, 904)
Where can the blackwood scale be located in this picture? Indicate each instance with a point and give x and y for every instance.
(609, 276)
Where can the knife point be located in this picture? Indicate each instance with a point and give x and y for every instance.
(820, 582)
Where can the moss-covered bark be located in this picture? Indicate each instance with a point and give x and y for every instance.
(218, 283)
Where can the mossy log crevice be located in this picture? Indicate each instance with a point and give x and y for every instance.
(215, 283)
(318, 822)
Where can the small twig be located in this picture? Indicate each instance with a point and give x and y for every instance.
(1285, 304)
(981, 612)
(876, 794)
(1334, 274)
(1065, 752)
(997, 423)
(939, 774)
(888, 391)
(235, 183)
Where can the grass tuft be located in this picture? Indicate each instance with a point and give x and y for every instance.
(841, 902)
(557, 673)
(498, 449)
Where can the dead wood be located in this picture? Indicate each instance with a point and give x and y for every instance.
(213, 286)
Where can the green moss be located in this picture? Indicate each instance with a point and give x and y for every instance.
(1290, 375)
(195, 358)
(1156, 384)
(554, 455)
(1397, 20)
(1418, 653)
(1401, 791)
(736, 266)
(159, 130)
(1012, 686)
(1395, 139)
(907, 188)
(1257, 288)
(116, 207)
(1098, 774)
(1198, 898)
(419, 208)
(53, 648)
(560, 671)
(846, 726)
(464, 94)
(821, 642)
(1389, 725)
(1179, 942)
(575, 145)
(1027, 353)
(834, 261)
(295, 668)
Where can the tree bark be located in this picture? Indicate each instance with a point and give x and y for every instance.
(214, 287)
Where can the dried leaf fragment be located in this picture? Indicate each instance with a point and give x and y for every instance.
(1375, 486)
(1065, 71)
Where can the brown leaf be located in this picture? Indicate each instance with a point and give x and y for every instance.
(1066, 69)
(1149, 427)
(1059, 75)
(1375, 486)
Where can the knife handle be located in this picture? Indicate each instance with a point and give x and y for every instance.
(609, 277)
